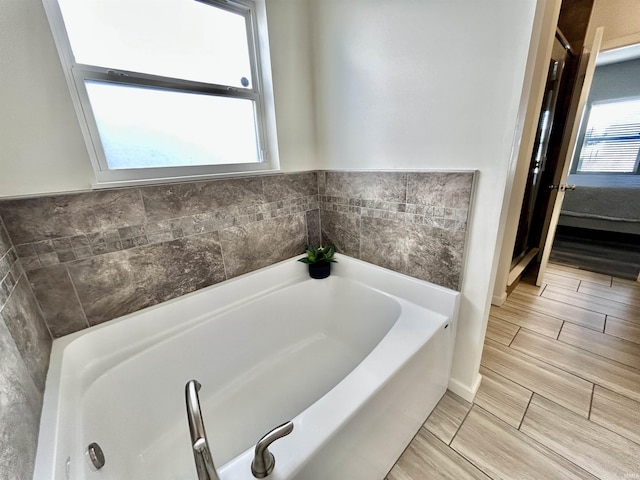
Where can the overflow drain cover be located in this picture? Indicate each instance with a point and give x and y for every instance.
(96, 455)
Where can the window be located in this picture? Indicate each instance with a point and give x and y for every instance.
(168, 88)
(612, 139)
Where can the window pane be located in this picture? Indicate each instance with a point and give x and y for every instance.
(612, 140)
(144, 128)
(183, 39)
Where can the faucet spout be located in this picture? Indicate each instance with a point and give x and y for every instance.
(263, 460)
(201, 452)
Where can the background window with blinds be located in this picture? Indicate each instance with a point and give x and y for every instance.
(612, 138)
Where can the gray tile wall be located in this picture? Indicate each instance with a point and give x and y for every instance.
(92, 257)
(411, 222)
(25, 345)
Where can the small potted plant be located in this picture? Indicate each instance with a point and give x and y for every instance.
(319, 261)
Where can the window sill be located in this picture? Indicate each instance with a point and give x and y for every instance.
(100, 185)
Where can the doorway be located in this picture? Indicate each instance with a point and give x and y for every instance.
(535, 203)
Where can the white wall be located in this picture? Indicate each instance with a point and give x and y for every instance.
(41, 146)
(539, 56)
(291, 66)
(435, 84)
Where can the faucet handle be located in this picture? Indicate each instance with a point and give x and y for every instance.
(263, 460)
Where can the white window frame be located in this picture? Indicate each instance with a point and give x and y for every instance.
(261, 92)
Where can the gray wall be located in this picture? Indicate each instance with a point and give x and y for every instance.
(91, 257)
(25, 344)
(616, 80)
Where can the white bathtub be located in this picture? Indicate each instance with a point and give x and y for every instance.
(357, 361)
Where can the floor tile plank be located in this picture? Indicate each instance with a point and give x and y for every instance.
(626, 330)
(619, 293)
(530, 288)
(593, 368)
(617, 413)
(562, 387)
(569, 283)
(576, 273)
(592, 447)
(622, 282)
(605, 306)
(602, 344)
(529, 319)
(446, 418)
(542, 381)
(563, 311)
(503, 452)
(428, 457)
(501, 331)
(501, 397)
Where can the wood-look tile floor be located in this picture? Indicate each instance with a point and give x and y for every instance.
(560, 394)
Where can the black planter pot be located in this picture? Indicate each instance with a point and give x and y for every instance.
(319, 270)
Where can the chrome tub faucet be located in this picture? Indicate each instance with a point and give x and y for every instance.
(201, 451)
(263, 460)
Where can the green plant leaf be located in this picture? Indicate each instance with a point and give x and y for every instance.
(319, 255)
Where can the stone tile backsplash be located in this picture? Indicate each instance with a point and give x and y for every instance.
(25, 345)
(411, 222)
(146, 245)
(92, 257)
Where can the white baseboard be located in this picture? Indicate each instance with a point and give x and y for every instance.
(465, 391)
(498, 300)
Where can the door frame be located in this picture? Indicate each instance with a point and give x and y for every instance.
(586, 69)
(541, 46)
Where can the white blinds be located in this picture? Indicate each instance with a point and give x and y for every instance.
(612, 140)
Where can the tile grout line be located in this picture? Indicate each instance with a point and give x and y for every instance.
(506, 378)
(544, 287)
(536, 442)
(514, 337)
(594, 299)
(44, 320)
(560, 331)
(560, 455)
(546, 363)
(462, 455)
(577, 306)
(528, 389)
(591, 352)
(75, 290)
(8, 297)
(524, 414)
(2, 280)
(461, 423)
(593, 392)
